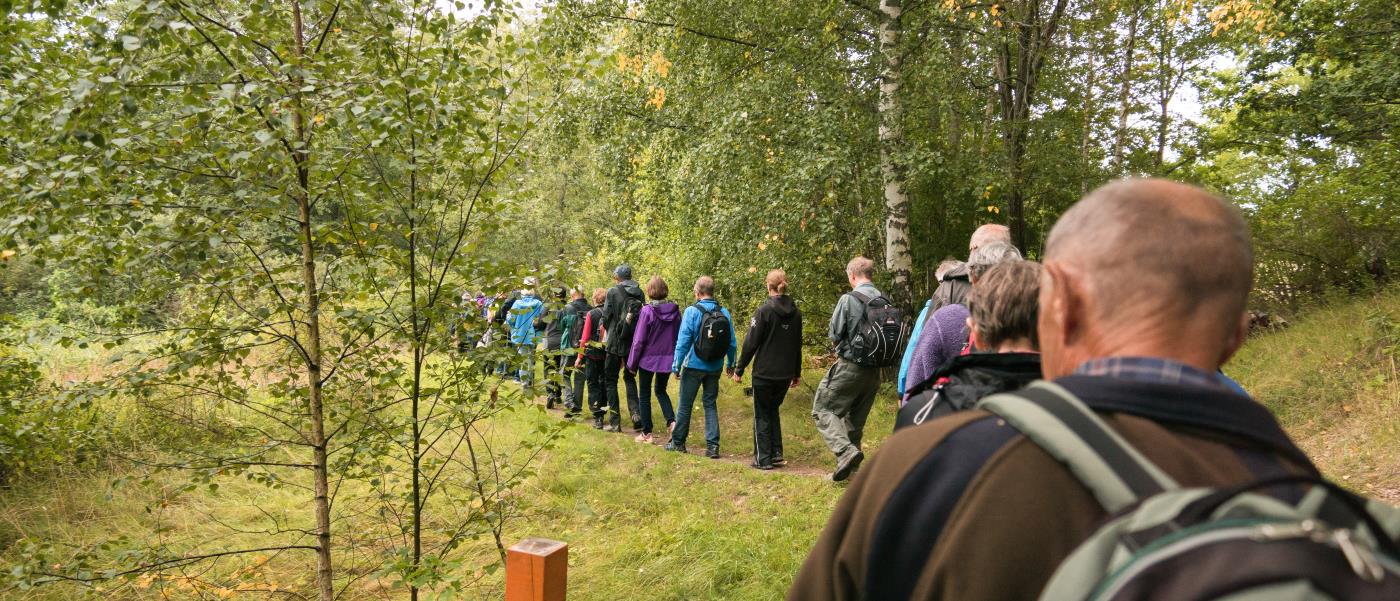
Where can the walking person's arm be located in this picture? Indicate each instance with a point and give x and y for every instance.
(638, 338)
(685, 338)
(732, 354)
(797, 356)
(758, 328)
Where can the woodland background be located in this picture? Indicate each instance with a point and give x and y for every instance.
(233, 235)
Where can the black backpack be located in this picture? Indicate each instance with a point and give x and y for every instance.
(880, 337)
(631, 312)
(712, 341)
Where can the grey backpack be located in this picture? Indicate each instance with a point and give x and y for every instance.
(1164, 542)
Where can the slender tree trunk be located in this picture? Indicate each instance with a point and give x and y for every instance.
(324, 574)
(1088, 104)
(898, 259)
(1120, 141)
(1026, 49)
(419, 351)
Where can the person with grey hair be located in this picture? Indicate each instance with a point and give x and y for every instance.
(847, 391)
(945, 333)
(953, 286)
(1141, 300)
(702, 352)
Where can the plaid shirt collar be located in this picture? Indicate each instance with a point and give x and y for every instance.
(1149, 369)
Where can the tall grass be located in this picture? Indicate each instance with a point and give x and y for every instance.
(1332, 380)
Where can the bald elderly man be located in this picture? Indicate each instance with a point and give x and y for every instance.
(1142, 299)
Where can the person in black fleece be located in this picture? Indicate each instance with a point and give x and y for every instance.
(774, 345)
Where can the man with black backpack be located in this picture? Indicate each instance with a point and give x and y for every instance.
(621, 310)
(1134, 471)
(868, 332)
(705, 345)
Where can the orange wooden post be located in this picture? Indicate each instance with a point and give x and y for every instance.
(537, 569)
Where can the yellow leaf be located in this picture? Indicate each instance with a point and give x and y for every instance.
(762, 246)
(319, 119)
(7, 254)
(752, 269)
(373, 226)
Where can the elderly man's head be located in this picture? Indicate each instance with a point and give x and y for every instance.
(1145, 268)
(988, 234)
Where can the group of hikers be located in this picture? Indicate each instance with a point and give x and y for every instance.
(638, 338)
(1064, 429)
(972, 338)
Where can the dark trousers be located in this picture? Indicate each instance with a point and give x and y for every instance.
(768, 396)
(612, 369)
(597, 399)
(574, 381)
(646, 379)
(553, 370)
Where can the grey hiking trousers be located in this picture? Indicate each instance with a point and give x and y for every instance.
(842, 402)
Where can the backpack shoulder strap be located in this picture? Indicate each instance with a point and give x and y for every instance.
(1067, 429)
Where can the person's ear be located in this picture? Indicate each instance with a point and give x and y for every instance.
(1236, 339)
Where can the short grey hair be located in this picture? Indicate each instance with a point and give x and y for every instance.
(985, 257)
(705, 285)
(946, 266)
(861, 266)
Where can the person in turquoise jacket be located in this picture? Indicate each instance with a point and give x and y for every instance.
(696, 372)
(523, 315)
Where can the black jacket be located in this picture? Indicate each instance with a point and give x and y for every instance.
(970, 377)
(952, 289)
(619, 338)
(774, 341)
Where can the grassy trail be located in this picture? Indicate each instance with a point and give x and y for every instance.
(644, 523)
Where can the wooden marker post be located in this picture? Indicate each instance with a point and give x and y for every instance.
(537, 569)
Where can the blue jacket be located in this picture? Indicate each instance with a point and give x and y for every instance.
(522, 319)
(685, 342)
(909, 349)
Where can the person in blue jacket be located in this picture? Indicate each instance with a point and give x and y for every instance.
(523, 335)
(696, 372)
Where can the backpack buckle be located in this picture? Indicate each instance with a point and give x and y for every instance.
(1360, 558)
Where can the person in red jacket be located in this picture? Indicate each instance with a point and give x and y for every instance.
(591, 355)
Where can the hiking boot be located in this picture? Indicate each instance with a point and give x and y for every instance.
(679, 448)
(643, 438)
(760, 466)
(598, 423)
(712, 451)
(847, 465)
(779, 461)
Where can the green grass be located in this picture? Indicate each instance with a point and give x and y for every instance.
(1332, 380)
(641, 522)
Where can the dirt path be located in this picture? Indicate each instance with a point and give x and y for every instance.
(659, 441)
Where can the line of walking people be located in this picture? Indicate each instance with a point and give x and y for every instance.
(628, 342)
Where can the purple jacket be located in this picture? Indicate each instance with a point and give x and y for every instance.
(944, 336)
(655, 339)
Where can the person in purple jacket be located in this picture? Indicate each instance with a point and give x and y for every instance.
(650, 357)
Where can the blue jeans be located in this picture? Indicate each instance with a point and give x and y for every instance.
(691, 380)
